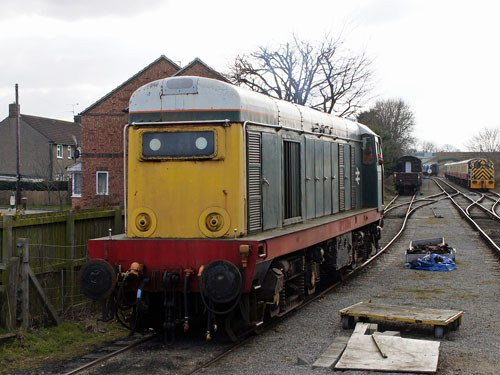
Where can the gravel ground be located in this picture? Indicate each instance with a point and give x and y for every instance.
(292, 346)
(474, 288)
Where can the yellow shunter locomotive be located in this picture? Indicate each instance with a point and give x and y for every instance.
(473, 173)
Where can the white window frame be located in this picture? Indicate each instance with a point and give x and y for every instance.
(69, 152)
(73, 186)
(60, 151)
(97, 183)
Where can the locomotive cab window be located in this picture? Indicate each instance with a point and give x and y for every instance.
(181, 145)
(368, 149)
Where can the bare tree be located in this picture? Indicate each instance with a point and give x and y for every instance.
(394, 121)
(427, 146)
(320, 75)
(449, 148)
(487, 140)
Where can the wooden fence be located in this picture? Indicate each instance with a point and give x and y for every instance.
(57, 249)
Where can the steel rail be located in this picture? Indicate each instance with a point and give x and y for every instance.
(429, 198)
(488, 239)
(112, 354)
(476, 202)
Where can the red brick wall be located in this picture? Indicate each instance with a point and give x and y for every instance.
(102, 138)
(102, 135)
(200, 70)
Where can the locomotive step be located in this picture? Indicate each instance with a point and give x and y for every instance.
(436, 317)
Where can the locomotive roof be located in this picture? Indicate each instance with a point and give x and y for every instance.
(190, 98)
(409, 157)
(467, 161)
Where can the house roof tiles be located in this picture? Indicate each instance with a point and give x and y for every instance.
(57, 131)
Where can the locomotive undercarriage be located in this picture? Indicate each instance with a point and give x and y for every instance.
(288, 282)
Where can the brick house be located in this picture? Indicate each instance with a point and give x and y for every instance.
(102, 133)
(47, 147)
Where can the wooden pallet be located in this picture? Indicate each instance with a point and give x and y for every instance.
(438, 318)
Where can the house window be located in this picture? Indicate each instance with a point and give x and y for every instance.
(102, 183)
(69, 152)
(59, 151)
(77, 185)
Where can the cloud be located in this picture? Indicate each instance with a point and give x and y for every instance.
(380, 12)
(76, 10)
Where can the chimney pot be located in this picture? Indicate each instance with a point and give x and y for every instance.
(12, 110)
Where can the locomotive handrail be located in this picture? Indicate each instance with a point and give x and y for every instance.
(225, 121)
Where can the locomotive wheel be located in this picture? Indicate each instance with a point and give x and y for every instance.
(235, 327)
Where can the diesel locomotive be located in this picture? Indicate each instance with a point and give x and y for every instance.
(476, 174)
(408, 174)
(431, 169)
(237, 205)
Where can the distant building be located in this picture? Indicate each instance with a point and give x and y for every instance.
(47, 147)
(102, 133)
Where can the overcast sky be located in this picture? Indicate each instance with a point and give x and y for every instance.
(442, 57)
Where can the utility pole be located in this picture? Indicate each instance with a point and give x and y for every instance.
(18, 149)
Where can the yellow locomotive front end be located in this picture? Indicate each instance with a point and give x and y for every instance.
(188, 181)
(482, 174)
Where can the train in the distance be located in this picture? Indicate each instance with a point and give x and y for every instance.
(407, 174)
(476, 174)
(237, 205)
(431, 169)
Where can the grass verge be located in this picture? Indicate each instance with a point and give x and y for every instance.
(33, 349)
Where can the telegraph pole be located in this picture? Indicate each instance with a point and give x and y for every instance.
(18, 149)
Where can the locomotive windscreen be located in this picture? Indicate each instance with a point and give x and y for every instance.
(178, 144)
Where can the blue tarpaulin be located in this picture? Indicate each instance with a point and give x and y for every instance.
(433, 262)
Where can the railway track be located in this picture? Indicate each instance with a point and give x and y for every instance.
(401, 207)
(479, 209)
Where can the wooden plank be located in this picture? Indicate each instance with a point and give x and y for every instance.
(410, 314)
(332, 353)
(25, 287)
(12, 284)
(364, 328)
(44, 298)
(6, 239)
(403, 355)
(390, 333)
(379, 345)
(7, 336)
